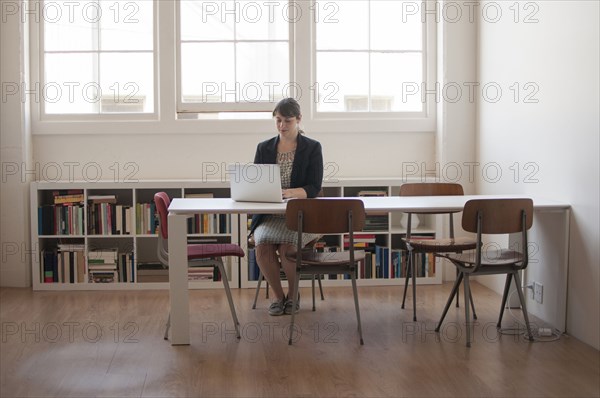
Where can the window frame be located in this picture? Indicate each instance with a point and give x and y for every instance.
(191, 107)
(164, 119)
(37, 76)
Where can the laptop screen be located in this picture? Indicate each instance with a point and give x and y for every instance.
(255, 182)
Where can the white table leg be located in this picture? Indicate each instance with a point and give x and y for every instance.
(178, 280)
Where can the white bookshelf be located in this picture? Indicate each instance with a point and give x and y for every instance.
(143, 245)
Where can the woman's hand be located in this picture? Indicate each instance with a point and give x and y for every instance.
(294, 193)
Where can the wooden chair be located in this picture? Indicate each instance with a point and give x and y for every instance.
(326, 216)
(199, 255)
(493, 216)
(309, 246)
(436, 246)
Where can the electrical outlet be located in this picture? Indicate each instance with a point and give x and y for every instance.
(538, 292)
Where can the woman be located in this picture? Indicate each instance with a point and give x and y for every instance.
(301, 164)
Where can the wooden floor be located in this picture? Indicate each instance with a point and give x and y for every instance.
(88, 344)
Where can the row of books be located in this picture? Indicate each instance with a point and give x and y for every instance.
(209, 224)
(110, 219)
(107, 218)
(380, 263)
(67, 263)
(61, 219)
(146, 218)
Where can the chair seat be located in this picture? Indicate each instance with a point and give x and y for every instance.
(202, 250)
(455, 245)
(327, 259)
(489, 257)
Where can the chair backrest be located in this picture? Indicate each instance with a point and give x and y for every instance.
(498, 216)
(431, 189)
(162, 201)
(325, 216)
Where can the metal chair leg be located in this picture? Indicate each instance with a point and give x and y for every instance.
(294, 301)
(457, 290)
(355, 291)
(320, 276)
(450, 298)
(472, 305)
(260, 278)
(408, 273)
(467, 308)
(523, 305)
(414, 287)
(312, 282)
(236, 323)
(504, 298)
(168, 326)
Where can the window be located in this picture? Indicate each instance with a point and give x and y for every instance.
(97, 57)
(367, 51)
(234, 55)
(224, 63)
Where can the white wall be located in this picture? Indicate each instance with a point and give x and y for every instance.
(164, 156)
(15, 150)
(456, 112)
(556, 138)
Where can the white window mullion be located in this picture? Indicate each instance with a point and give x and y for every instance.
(302, 37)
(38, 69)
(369, 96)
(168, 73)
(96, 50)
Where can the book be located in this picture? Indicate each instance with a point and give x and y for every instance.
(102, 198)
(253, 270)
(62, 199)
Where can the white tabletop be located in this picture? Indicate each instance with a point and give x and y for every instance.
(380, 203)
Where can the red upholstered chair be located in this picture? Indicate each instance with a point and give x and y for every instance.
(199, 255)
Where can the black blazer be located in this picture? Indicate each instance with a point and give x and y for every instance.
(307, 170)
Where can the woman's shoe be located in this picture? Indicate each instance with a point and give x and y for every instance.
(288, 306)
(277, 307)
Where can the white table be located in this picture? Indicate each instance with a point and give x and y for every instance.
(180, 209)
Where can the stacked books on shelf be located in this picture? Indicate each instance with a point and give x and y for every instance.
(106, 217)
(146, 218)
(65, 216)
(375, 221)
(109, 266)
(152, 272)
(65, 264)
(156, 272)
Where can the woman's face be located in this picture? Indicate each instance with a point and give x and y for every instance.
(286, 125)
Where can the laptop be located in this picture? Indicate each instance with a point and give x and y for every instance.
(255, 182)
